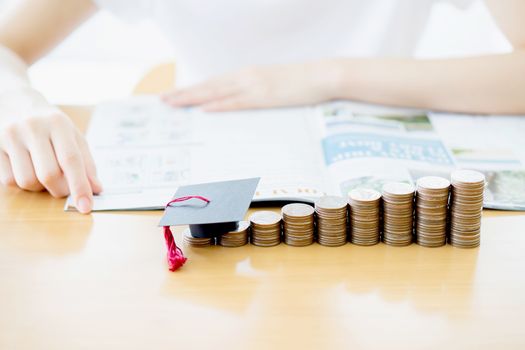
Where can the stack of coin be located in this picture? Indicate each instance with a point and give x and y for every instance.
(236, 238)
(431, 211)
(298, 224)
(331, 214)
(364, 216)
(196, 242)
(398, 213)
(266, 228)
(465, 208)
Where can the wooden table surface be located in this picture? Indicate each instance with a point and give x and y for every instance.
(71, 281)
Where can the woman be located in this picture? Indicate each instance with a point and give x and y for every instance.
(236, 54)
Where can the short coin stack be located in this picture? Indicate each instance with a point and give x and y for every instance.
(431, 211)
(298, 224)
(196, 242)
(466, 207)
(236, 238)
(266, 228)
(398, 213)
(331, 220)
(364, 216)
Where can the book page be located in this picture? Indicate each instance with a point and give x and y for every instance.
(494, 145)
(144, 150)
(366, 146)
(281, 146)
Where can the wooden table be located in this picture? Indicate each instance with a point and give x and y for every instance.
(70, 281)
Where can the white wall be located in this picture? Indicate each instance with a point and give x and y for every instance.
(106, 57)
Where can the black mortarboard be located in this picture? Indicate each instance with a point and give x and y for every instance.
(228, 204)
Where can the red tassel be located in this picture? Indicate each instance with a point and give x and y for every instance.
(175, 256)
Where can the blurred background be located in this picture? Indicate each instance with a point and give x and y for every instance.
(106, 57)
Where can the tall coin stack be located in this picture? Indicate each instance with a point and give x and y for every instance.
(398, 213)
(266, 228)
(236, 238)
(431, 211)
(331, 214)
(466, 207)
(195, 241)
(364, 216)
(298, 224)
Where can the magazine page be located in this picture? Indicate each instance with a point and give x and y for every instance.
(280, 145)
(366, 146)
(145, 150)
(494, 145)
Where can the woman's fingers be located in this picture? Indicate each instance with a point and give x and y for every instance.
(6, 174)
(23, 171)
(201, 94)
(247, 88)
(48, 152)
(21, 163)
(91, 169)
(261, 87)
(46, 167)
(73, 166)
(228, 104)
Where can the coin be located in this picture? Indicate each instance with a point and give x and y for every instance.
(236, 238)
(433, 183)
(467, 178)
(265, 228)
(364, 195)
(466, 204)
(298, 224)
(364, 216)
(332, 220)
(395, 206)
(398, 213)
(398, 190)
(432, 197)
(196, 242)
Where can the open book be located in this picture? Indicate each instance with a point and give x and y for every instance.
(144, 150)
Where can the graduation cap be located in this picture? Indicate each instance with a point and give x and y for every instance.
(210, 210)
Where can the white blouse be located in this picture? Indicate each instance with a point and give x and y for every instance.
(212, 37)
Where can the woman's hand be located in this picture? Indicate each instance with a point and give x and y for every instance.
(48, 152)
(262, 87)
